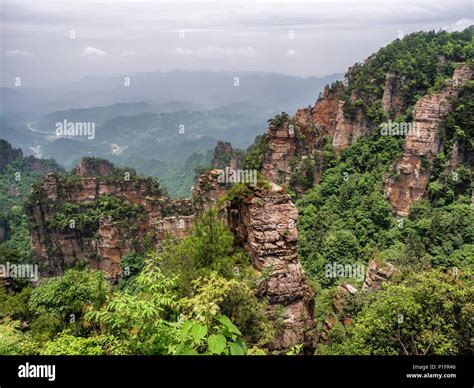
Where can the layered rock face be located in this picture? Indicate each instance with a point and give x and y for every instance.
(303, 134)
(265, 225)
(283, 147)
(103, 249)
(349, 130)
(422, 144)
(225, 156)
(92, 167)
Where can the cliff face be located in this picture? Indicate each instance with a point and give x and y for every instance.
(265, 224)
(225, 156)
(302, 135)
(422, 144)
(104, 246)
(282, 146)
(377, 273)
(263, 221)
(95, 167)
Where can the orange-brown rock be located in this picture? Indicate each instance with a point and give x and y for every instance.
(348, 130)
(265, 225)
(208, 190)
(95, 167)
(302, 135)
(56, 249)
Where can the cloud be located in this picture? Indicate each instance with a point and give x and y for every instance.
(290, 53)
(460, 25)
(127, 54)
(18, 53)
(93, 52)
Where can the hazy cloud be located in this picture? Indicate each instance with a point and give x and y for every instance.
(459, 25)
(231, 35)
(93, 52)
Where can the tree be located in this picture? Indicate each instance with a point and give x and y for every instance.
(135, 319)
(428, 313)
(209, 247)
(60, 302)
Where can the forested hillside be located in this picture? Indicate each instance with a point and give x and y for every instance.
(317, 257)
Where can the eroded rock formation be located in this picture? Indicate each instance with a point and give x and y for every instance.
(376, 274)
(412, 172)
(57, 248)
(303, 135)
(265, 224)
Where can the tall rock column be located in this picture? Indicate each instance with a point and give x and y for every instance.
(265, 225)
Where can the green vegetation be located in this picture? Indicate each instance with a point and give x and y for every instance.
(256, 152)
(420, 59)
(86, 215)
(198, 295)
(16, 179)
(152, 312)
(428, 313)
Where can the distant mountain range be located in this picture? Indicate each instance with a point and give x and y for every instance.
(160, 117)
(211, 89)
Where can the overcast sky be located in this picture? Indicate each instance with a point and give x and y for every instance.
(49, 42)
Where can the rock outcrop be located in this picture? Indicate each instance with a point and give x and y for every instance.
(292, 139)
(95, 167)
(208, 190)
(337, 315)
(226, 156)
(282, 148)
(265, 225)
(377, 273)
(102, 247)
(412, 172)
(263, 221)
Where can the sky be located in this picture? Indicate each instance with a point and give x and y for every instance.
(49, 43)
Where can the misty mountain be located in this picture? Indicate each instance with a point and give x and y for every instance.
(270, 90)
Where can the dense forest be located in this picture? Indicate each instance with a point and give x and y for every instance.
(188, 298)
